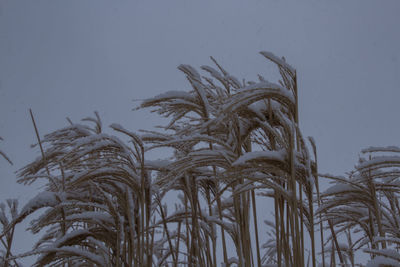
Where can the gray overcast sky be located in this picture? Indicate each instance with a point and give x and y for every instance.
(69, 58)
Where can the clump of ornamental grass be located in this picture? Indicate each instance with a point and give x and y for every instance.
(231, 141)
(365, 204)
(235, 144)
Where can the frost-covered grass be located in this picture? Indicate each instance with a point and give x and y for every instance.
(236, 150)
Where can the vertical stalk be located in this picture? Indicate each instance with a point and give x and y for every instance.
(253, 198)
(312, 237)
(277, 231)
(294, 212)
(222, 230)
(213, 234)
(207, 250)
(300, 239)
(189, 251)
(178, 238)
(302, 223)
(164, 220)
(321, 226)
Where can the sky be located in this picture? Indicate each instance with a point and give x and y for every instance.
(71, 58)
